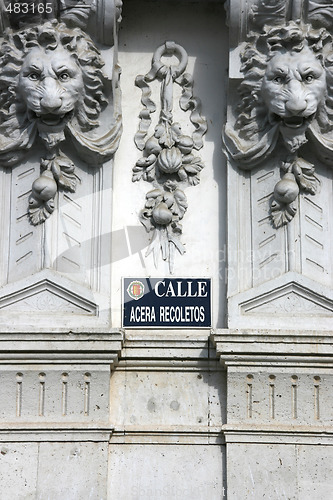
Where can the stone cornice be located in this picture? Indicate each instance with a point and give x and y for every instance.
(251, 347)
(54, 432)
(61, 348)
(261, 434)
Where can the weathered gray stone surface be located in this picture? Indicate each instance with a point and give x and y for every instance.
(174, 471)
(89, 409)
(53, 470)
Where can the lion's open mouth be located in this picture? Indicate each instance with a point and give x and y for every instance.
(50, 119)
(294, 121)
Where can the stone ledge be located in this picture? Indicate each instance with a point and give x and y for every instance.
(278, 434)
(172, 435)
(54, 432)
(68, 335)
(288, 348)
(169, 364)
(173, 335)
(171, 344)
(61, 348)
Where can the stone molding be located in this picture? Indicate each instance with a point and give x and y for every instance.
(156, 348)
(54, 347)
(278, 347)
(136, 353)
(36, 366)
(270, 435)
(169, 436)
(54, 433)
(56, 386)
(279, 385)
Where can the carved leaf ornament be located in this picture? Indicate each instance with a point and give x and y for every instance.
(169, 162)
(53, 90)
(286, 101)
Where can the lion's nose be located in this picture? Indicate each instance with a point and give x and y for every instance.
(296, 105)
(50, 100)
(50, 103)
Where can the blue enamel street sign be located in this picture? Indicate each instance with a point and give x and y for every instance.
(170, 303)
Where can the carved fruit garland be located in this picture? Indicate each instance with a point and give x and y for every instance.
(54, 107)
(298, 175)
(285, 102)
(169, 162)
(57, 170)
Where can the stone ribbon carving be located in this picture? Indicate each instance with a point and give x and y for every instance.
(53, 90)
(169, 162)
(286, 100)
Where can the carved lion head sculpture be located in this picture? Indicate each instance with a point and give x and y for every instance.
(286, 93)
(51, 83)
(52, 87)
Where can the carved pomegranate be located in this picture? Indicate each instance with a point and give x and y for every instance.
(152, 146)
(161, 214)
(45, 187)
(185, 144)
(170, 160)
(286, 190)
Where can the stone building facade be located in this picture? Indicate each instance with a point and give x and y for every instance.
(153, 141)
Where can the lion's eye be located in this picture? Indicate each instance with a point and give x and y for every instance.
(33, 76)
(308, 78)
(64, 76)
(278, 79)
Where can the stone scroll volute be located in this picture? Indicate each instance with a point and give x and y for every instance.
(60, 127)
(278, 142)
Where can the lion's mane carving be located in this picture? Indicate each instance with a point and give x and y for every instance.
(286, 100)
(52, 86)
(19, 123)
(262, 116)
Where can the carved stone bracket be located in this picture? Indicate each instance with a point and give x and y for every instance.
(169, 163)
(279, 148)
(60, 125)
(53, 89)
(287, 79)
